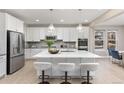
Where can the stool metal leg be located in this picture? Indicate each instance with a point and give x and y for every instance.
(66, 78)
(88, 78)
(43, 81)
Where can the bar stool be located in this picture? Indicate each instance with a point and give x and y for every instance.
(41, 67)
(87, 67)
(66, 67)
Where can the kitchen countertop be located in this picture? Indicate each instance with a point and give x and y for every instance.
(75, 57)
(75, 54)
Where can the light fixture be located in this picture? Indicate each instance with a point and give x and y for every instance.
(79, 27)
(51, 27)
(37, 20)
(61, 20)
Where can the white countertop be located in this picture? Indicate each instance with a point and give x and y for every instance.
(76, 54)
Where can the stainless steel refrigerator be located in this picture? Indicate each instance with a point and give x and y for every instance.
(15, 51)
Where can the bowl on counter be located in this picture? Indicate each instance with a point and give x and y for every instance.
(53, 51)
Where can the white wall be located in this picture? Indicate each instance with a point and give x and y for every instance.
(120, 39)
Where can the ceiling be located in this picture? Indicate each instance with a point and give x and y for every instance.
(115, 21)
(45, 16)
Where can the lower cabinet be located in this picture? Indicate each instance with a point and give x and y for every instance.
(2, 65)
(27, 53)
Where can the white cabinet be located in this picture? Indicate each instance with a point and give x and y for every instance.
(73, 34)
(70, 34)
(14, 24)
(33, 34)
(20, 25)
(11, 22)
(2, 65)
(66, 36)
(36, 34)
(28, 35)
(2, 34)
(84, 33)
(59, 33)
(2, 45)
(27, 53)
(42, 33)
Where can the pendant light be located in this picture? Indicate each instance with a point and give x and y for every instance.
(51, 27)
(79, 27)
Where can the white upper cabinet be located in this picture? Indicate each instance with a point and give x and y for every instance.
(36, 34)
(84, 33)
(28, 35)
(42, 33)
(14, 24)
(70, 34)
(66, 36)
(59, 33)
(73, 34)
(20, 26)
(10, 22)
(33, 34)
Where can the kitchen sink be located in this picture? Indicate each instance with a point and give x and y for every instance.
(67, 50)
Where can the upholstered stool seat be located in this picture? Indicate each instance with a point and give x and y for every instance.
(87, 67)
(41, 67)
(66, 67)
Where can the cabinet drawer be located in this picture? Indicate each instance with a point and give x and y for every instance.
(2, 68)
(2, 59)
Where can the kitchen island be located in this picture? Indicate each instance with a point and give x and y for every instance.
(73, 56)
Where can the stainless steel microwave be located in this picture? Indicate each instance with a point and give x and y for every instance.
(51, 37)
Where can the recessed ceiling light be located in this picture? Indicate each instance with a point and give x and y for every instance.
(79, 9)
(85, 20)
(37, 20)
(61, 20)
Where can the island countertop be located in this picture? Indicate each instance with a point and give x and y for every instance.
(73, 56)
(70, 54)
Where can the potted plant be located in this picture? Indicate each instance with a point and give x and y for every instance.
(49, 43)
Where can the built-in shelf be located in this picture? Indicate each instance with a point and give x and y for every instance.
(111, 41)
(99, 40)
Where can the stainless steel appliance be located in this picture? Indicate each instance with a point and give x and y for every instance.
(15, 51)
(50, 37)
(83, 44)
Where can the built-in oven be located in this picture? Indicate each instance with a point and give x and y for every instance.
(83, 44)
